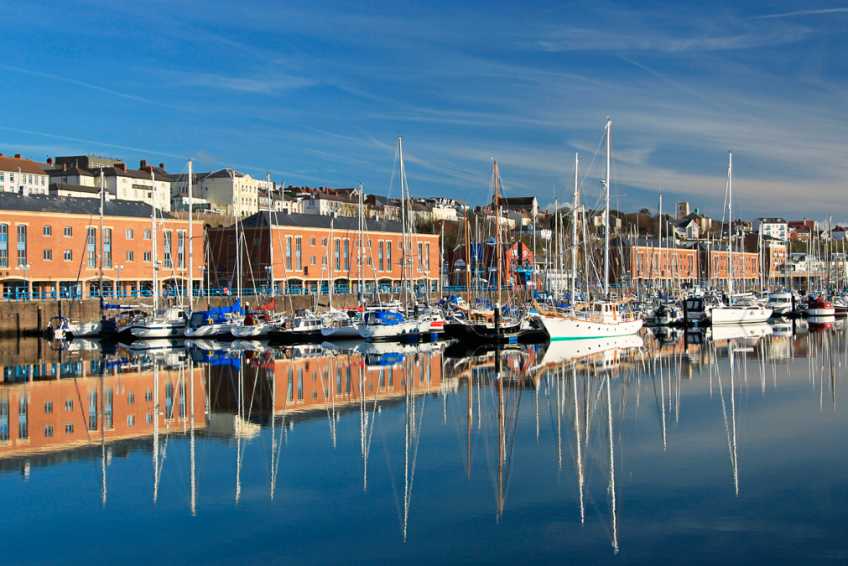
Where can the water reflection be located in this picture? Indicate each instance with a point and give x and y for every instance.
(582, 421)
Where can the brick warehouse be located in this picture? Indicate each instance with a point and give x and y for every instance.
(51, 244)
(306, 255)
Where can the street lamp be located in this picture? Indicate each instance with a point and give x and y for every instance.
(25, 267)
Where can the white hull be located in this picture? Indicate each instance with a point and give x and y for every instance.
(574, 328)
(210, 330)
(340, 332)
(821, 312)
(254, 331)
(740, 331)
(154, 330)
(739, 315)
(84, 329)
(388, 331)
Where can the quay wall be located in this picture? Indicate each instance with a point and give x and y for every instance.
(30, 318)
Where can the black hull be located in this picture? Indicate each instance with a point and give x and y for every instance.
(481, 334)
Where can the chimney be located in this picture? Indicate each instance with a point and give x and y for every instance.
(161, 166)
(142, 164)
(17, 156)
(121, 166)
(49, 161)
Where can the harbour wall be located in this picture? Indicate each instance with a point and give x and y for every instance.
(31, 318)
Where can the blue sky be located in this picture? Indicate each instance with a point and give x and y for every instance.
(316, 93)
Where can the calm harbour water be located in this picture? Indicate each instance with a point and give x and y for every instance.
(654, 452)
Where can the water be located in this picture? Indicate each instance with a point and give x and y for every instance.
(652, 452)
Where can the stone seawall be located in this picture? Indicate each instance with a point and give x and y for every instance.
(30, 318)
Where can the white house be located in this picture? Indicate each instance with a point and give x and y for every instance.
(774, 228)
(148, 184)
(228, 190)
(23, 176)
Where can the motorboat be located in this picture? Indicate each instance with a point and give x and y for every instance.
(62, 328)
(169, 324)
(820, 307)
(781, 303)
(304, 326)
(602, 320)
(338, 325)
(387, 324)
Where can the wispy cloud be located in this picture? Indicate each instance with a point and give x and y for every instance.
(273, 83)
(76, 82)
(800, 13)
(591, 39)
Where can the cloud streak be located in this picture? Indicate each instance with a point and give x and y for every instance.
(801, 13)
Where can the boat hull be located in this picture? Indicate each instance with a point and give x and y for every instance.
(571, 328)
(746, 315)
(389, 332)
(158, 331)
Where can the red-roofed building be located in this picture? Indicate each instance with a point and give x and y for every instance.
(23, 176)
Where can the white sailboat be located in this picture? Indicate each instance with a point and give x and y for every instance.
(735, 312)
(167, 323)
(604, 319)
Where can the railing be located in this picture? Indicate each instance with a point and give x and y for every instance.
(21, 294)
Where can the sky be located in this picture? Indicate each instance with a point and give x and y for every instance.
(316, 93)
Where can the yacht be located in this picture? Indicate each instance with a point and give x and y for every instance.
(603, 320)
(169, 324)
(338, 325)
(781, 303)
(387, 324)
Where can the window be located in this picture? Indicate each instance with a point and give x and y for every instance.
(69, 405)
(312, 260)
(380, 252)
(69, 429)
(48, 407)
(130, 421)
(389, 255)
(427, 256)
(48, 431)
(69, 231)
(312, 241)
(128, 234)
(131, 398)
(148, 395)
(23, 413)
(47, 230)
(147, 233)
(288, 253)
(420, 256)
(68, 255)
(4, 245)
(167, 261)
(107, 247)
(181, 249)
(148, 257)
(338, 253)
(91, 246)
(298, 253)
(347, 255)
(22, 245)
(107, 409)
(130, 255)
(300, 384)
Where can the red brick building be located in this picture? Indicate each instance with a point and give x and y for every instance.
(51, 245)
(307, 250)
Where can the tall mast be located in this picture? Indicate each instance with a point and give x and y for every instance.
(270, 240)
(730, 229)
(154, 245)
(608, 184)
(359, 237)
(574, 207)
(498, 250)
(102, 241)
(190, 241)
(330, 280)
(405, 220)
(467, 261)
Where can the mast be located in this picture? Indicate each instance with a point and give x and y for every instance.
(270, 242)
(405, 220)
(498, 249)
(102, 241)
(467, 262)
(607, 186)
(154, 247)
(574, 215)
(557, 247)
(730, 230)
(190, 241)
(361, 254)
(330, 280)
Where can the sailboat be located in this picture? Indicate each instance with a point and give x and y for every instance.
(604, 319)
(488, 326)
(338, 325)
(735, 312)
(389, 323)
(171, 321)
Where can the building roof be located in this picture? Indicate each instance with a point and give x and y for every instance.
(775, 220)
(260, 220)
(70, 205)
(518, 202)
(25, 165)
(151, 172)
